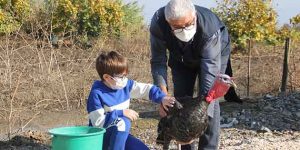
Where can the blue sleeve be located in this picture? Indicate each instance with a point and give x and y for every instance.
(226, 49)
(156, 95)
(94, 102)
(211, 62)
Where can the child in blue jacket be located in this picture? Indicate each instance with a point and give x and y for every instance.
(109, 99)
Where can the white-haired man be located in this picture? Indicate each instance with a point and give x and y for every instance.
(198, 44)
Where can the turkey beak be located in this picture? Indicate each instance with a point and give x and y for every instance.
(228, 80)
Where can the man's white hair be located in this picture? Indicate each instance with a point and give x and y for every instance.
(176, 9)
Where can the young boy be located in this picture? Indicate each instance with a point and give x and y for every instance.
(108, 102)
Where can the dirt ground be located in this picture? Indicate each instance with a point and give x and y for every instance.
(238, 137)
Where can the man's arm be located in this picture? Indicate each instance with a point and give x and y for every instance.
(212, 62)
(158, 54)
(226, 50)
(158, 59)
(158, 62)
(159, 67)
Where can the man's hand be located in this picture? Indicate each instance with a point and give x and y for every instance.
(131, 114)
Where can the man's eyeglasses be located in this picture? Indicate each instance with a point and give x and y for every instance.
(188, 26)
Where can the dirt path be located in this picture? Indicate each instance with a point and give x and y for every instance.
(249, 126)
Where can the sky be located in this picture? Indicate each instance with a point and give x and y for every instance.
(285, 8)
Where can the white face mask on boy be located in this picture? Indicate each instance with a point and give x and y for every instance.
(120, 83)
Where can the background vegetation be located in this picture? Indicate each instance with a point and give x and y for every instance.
(255, 20)
(79, 20)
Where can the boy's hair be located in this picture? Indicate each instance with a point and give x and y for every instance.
(111, 63)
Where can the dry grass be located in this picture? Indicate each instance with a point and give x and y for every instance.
(266, 70)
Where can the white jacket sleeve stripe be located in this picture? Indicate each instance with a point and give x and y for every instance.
(97, 117)
(140, 90)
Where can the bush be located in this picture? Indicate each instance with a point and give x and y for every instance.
(290, 30)
(295, 20)
(64, 16)
(87, 18)
(12, 14)
(253, 20)
(94, 17)
(132, 18)
(7, 23)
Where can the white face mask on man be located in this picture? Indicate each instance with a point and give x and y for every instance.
(186, 34)
(120, 83)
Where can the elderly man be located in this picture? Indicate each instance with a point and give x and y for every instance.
(198, 45)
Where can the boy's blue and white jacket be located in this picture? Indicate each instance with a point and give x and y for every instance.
(105, 105)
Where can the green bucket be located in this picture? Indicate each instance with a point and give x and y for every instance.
(77, 138)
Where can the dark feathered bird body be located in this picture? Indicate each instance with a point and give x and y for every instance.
(188, 119)
(185, 121)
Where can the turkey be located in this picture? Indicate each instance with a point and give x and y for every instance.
(188, 119)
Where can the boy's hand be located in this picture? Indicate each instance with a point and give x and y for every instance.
(131, 114)
(162, 112)
(168, 101)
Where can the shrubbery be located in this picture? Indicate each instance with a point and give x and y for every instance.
(248, 20)
(291, 30)
(295, 20)
(13, 13)
(69, 17)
